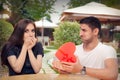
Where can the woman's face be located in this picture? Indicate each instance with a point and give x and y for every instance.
(29, 31)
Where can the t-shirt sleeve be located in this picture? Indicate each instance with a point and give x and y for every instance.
(11, 51)
(39, 49)
(111, 53)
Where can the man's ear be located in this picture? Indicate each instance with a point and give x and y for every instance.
(96, 31)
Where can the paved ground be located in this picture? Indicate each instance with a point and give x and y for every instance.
(45, 67)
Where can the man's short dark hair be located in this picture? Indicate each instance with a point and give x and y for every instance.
(92, 22)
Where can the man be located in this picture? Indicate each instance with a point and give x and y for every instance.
(93, 57)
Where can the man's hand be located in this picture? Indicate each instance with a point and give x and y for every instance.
(58, 67)
(72, 67)
(67, 67)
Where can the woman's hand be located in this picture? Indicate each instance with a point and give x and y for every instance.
(33, 41)
(30, 42)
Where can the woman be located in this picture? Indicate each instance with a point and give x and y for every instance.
(22, 53)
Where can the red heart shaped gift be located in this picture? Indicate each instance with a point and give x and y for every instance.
(66, 52)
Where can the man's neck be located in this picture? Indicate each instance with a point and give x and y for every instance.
(91, 45)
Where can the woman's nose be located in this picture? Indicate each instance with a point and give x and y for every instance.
(30, 34)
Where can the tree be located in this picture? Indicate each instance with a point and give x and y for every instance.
(5, 31)
(110, 3)
(33, 9)
(117, 38)
(76, 3)
(1, 8)
(67, 32)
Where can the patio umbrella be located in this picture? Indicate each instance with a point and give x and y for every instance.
(104, 13)
(43, 23)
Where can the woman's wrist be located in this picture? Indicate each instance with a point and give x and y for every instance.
(29, 50)
(24, 47)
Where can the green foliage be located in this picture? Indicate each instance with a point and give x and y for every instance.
(39, 8)
(46, 51)
(32, 9)
(5, 31)
(76, 3)
(119, 70)
(51, 47)
(1, 8)
(118, 51)
(117, 36)
(67, 31)
(111, 3)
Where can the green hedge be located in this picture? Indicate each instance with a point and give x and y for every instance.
(5, 31)
(67, 31)
(117, 36)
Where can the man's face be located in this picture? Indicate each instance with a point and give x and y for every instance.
(86, 33)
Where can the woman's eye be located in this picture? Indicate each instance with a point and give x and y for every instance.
(33, 30)
(26, 31)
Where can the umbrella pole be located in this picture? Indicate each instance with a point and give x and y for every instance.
(42, 33)
(42, 36)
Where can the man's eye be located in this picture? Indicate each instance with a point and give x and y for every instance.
(83, 30)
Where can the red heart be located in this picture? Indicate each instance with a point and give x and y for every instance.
(66, 52)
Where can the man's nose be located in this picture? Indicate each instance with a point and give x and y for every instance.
(81, 33)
